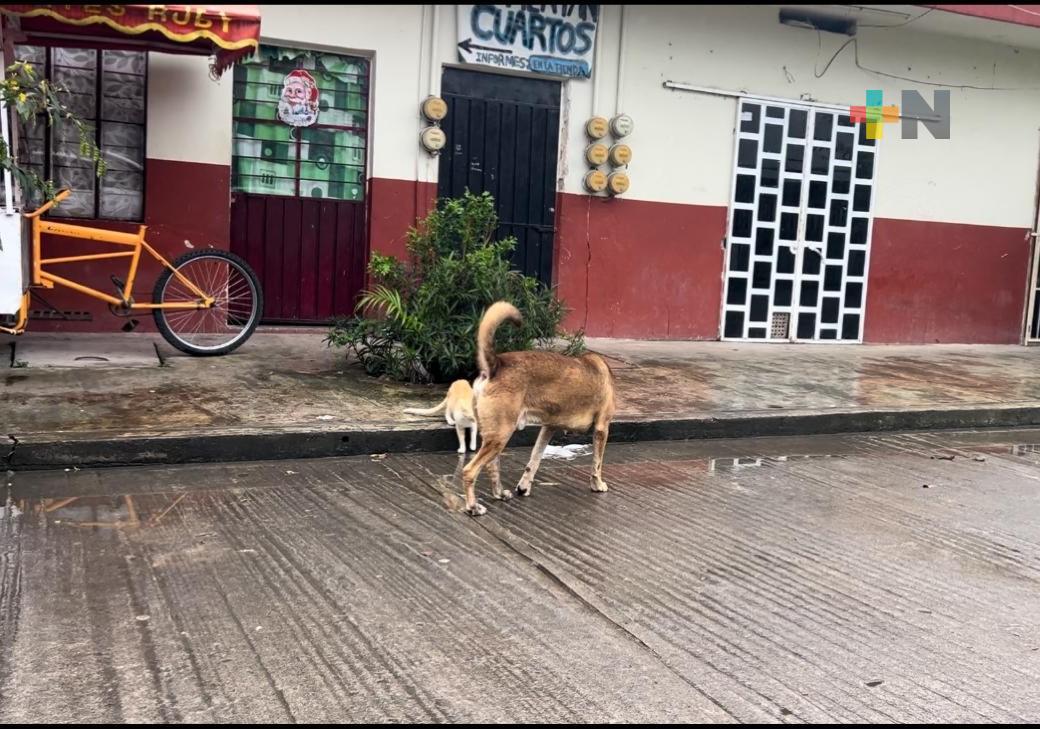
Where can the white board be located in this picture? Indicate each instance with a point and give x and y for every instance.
(12, 285)
(12, 259)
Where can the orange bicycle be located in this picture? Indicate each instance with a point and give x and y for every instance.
(207, 302)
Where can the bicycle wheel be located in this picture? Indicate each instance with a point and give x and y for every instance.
(230, 321)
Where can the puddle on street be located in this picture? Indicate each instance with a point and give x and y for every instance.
(738, 464)
(98, 512)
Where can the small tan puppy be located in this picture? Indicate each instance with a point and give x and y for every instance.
(561, 393)
(457, 407)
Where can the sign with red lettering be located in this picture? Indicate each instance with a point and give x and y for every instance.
(232, 32)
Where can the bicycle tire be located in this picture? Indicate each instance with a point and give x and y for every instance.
(162, 316)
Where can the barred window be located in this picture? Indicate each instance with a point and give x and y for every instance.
(300, 124)
(106, 89)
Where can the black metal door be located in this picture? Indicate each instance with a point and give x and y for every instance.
(503, 138)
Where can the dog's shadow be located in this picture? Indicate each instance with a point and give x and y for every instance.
(451, 487)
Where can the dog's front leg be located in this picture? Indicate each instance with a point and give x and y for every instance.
(496, 482)
(544, 436)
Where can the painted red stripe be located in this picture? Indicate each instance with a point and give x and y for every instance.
(1028, 15)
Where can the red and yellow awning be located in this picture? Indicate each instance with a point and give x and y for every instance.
(231, 32)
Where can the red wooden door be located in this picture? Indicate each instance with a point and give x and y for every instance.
(309, 254)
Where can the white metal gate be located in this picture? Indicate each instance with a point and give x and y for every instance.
(798, 243)
(1033, 312)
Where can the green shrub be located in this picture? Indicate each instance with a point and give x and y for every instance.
(419, 321)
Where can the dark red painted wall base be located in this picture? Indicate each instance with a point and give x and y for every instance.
(644, 270)
(945, 282)
(184, 201)
(394, 206)
(625, 268)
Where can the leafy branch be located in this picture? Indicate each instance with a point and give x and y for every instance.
(35, 101)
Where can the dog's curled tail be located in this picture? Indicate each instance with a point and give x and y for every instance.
(497, 313)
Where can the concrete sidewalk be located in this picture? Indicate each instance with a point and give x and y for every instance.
(84, 400)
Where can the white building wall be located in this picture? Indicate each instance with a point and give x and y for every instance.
(189, 114)
(985, 174)
(683, 142)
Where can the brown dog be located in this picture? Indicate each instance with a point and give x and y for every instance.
(563, 393)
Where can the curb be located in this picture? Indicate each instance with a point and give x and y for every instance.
(40, 452)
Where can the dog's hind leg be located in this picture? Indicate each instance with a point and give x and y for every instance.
(599, 445)
(544, 436)
(473, 436)
(460, 431)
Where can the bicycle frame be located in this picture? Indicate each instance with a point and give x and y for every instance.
(134, 242)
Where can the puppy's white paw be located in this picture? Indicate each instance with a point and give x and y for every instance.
(599, 486)
(477, 509)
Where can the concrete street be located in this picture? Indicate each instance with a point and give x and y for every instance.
(847, 578)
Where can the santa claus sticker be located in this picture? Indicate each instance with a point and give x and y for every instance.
(298, 106)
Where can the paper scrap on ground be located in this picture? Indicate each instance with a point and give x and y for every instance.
(567, 452)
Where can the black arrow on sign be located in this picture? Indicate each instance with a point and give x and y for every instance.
(468, 46)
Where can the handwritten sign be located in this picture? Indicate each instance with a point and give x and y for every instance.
(555, 40)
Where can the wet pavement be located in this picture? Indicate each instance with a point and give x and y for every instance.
(280, 381)
(854, 579)
(288, 395)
